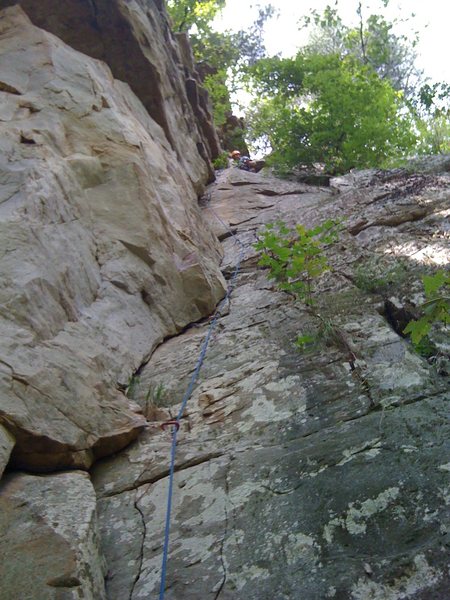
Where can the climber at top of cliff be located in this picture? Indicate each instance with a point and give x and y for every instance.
(246, 163)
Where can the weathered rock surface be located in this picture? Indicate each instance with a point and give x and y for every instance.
(6, 445)
(298, 475)
(48, 538)
(103, 249)
(134, 39)
(322, 474)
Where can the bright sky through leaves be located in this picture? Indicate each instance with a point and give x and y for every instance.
(432, 21)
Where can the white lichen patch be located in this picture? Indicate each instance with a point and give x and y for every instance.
(445, 467)
(196, 548)
(430, 254)
(256, 378)
(239, 496)
(420, 577)
(263, 410)
(394, 378)
(300, 547)
(430, 516)
(150, 577)
(283, 385)
(250, 573)
(445, 495)
(372, 452)
(355, 520)
(208, 505)
(370, 449)
(378, 332)
(408, 449)
(235, 538)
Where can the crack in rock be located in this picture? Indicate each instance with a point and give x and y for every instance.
(194, 462)
(141, 551)
(225, 533)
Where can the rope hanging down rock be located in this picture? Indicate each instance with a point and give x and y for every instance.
(175, 424)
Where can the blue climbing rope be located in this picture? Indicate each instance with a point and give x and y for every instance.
(175, 424)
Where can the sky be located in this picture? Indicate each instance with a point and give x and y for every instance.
(432, 20)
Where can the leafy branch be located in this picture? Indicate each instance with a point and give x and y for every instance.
(435, 309)
(295, 257)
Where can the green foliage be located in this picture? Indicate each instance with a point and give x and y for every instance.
(306, 341)
(328, 109)
(352, 97)
(295, 257)
(434, 134)
(219, 96)
(221, 162)
(435, 309)
(296, 260)
(431, 107)
(327, 333)
(373, 42)
(132, 386)
(233, 139)
(221, 56)
(377, 277)
(185, 14)
(156, 396)
(426, 348)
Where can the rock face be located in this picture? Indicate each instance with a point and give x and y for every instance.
(316, 474)
(103, 249)
(134, 39)
(321, 474)
(6, 445)
(49, 524)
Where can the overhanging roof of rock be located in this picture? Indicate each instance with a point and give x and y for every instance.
(135, 40)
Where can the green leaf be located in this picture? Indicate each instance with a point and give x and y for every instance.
(282, 253)
(417, 329)
(432, 283)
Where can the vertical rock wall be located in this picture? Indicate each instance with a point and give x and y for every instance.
(321, 474)
(103, 250)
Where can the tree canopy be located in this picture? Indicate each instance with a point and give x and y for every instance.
(325, 108)
(221, 56)
(189, 14)
(352, 97)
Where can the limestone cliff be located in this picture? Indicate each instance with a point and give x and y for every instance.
(313, 475)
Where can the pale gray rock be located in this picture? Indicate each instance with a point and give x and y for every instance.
(321, 474)
(103, 249)
(438, 163)
(48, 538)
(6, 445)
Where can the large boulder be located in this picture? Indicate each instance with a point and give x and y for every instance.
(103, 249)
